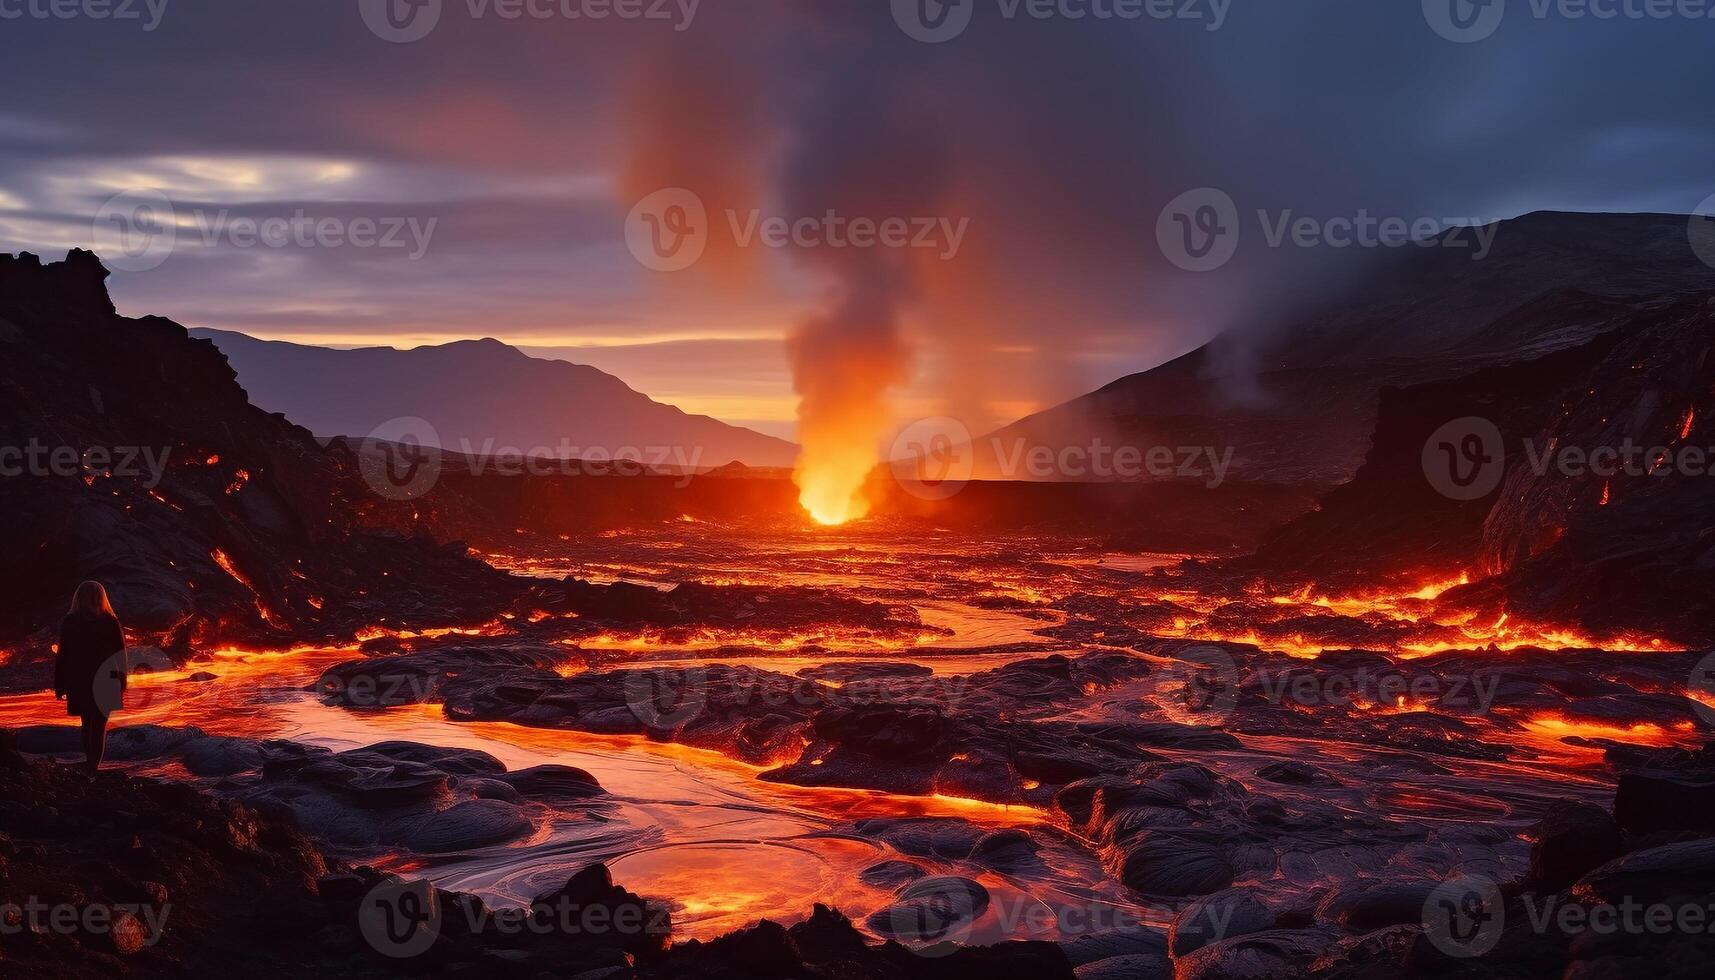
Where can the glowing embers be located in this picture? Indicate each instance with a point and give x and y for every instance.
(230, 568)
(496, 628)
(833, 639)
(1412, 622)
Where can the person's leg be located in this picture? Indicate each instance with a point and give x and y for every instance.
(94, 741)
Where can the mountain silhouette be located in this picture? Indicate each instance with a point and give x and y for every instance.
(485, 398)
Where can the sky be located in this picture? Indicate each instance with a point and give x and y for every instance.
(485, 178)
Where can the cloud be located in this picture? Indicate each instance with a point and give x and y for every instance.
(1059, 140)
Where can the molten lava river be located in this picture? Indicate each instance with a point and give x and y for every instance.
(830, 715)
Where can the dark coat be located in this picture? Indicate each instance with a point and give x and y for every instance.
(90, 671)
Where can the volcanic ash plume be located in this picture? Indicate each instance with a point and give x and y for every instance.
(844, 362)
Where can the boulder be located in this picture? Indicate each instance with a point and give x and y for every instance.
(1173, 866)
(1571, 839)
(1213, 918)
(882, 731)
(1279, 953)
(933, 910)
(1654, 875)
(466, 826)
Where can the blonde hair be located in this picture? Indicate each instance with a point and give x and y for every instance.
(90, 599)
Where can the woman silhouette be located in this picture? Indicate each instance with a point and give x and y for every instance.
(90, 672)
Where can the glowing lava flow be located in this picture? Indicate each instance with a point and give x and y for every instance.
(1411, 624)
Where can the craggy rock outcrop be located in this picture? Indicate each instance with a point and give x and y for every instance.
(208, 519)
(1610, 555)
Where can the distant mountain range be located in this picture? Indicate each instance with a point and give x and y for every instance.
(484, 398)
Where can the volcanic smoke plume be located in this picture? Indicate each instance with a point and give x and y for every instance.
(858, 151)
(850, 142)
(844, 361)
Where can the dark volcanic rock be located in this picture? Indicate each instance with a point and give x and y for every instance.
(1654, 875)
(1280, 953)
(1173, 865)
(883, 731)
(1571, 839)
(1129, 943)
(236, 527)
(252, 896)
(1668, 790)
(553, 784)
(891, 874)
(1608, 557)
(1007, 851)
(1295, 774)
(1213, 918)
(1365, 906)
(932, 910)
